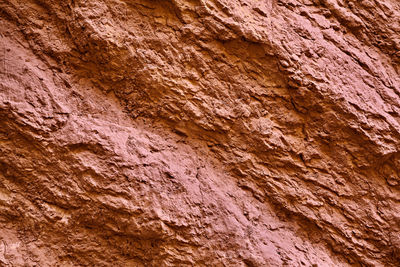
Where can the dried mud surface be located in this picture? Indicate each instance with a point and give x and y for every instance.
(199, 133)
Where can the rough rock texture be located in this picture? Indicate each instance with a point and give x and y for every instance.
(199, 133)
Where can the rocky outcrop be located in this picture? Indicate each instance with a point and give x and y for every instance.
(205, 133)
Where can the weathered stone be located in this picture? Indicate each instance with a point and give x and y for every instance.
(205, 133)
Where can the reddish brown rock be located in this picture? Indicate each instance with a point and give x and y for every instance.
(199, 133)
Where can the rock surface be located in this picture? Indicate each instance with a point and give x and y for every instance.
(199, 133)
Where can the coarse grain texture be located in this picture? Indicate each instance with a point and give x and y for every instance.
(199, 133)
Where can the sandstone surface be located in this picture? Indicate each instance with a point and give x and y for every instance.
(199, 133)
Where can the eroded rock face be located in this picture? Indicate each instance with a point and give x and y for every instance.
(205, 133)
